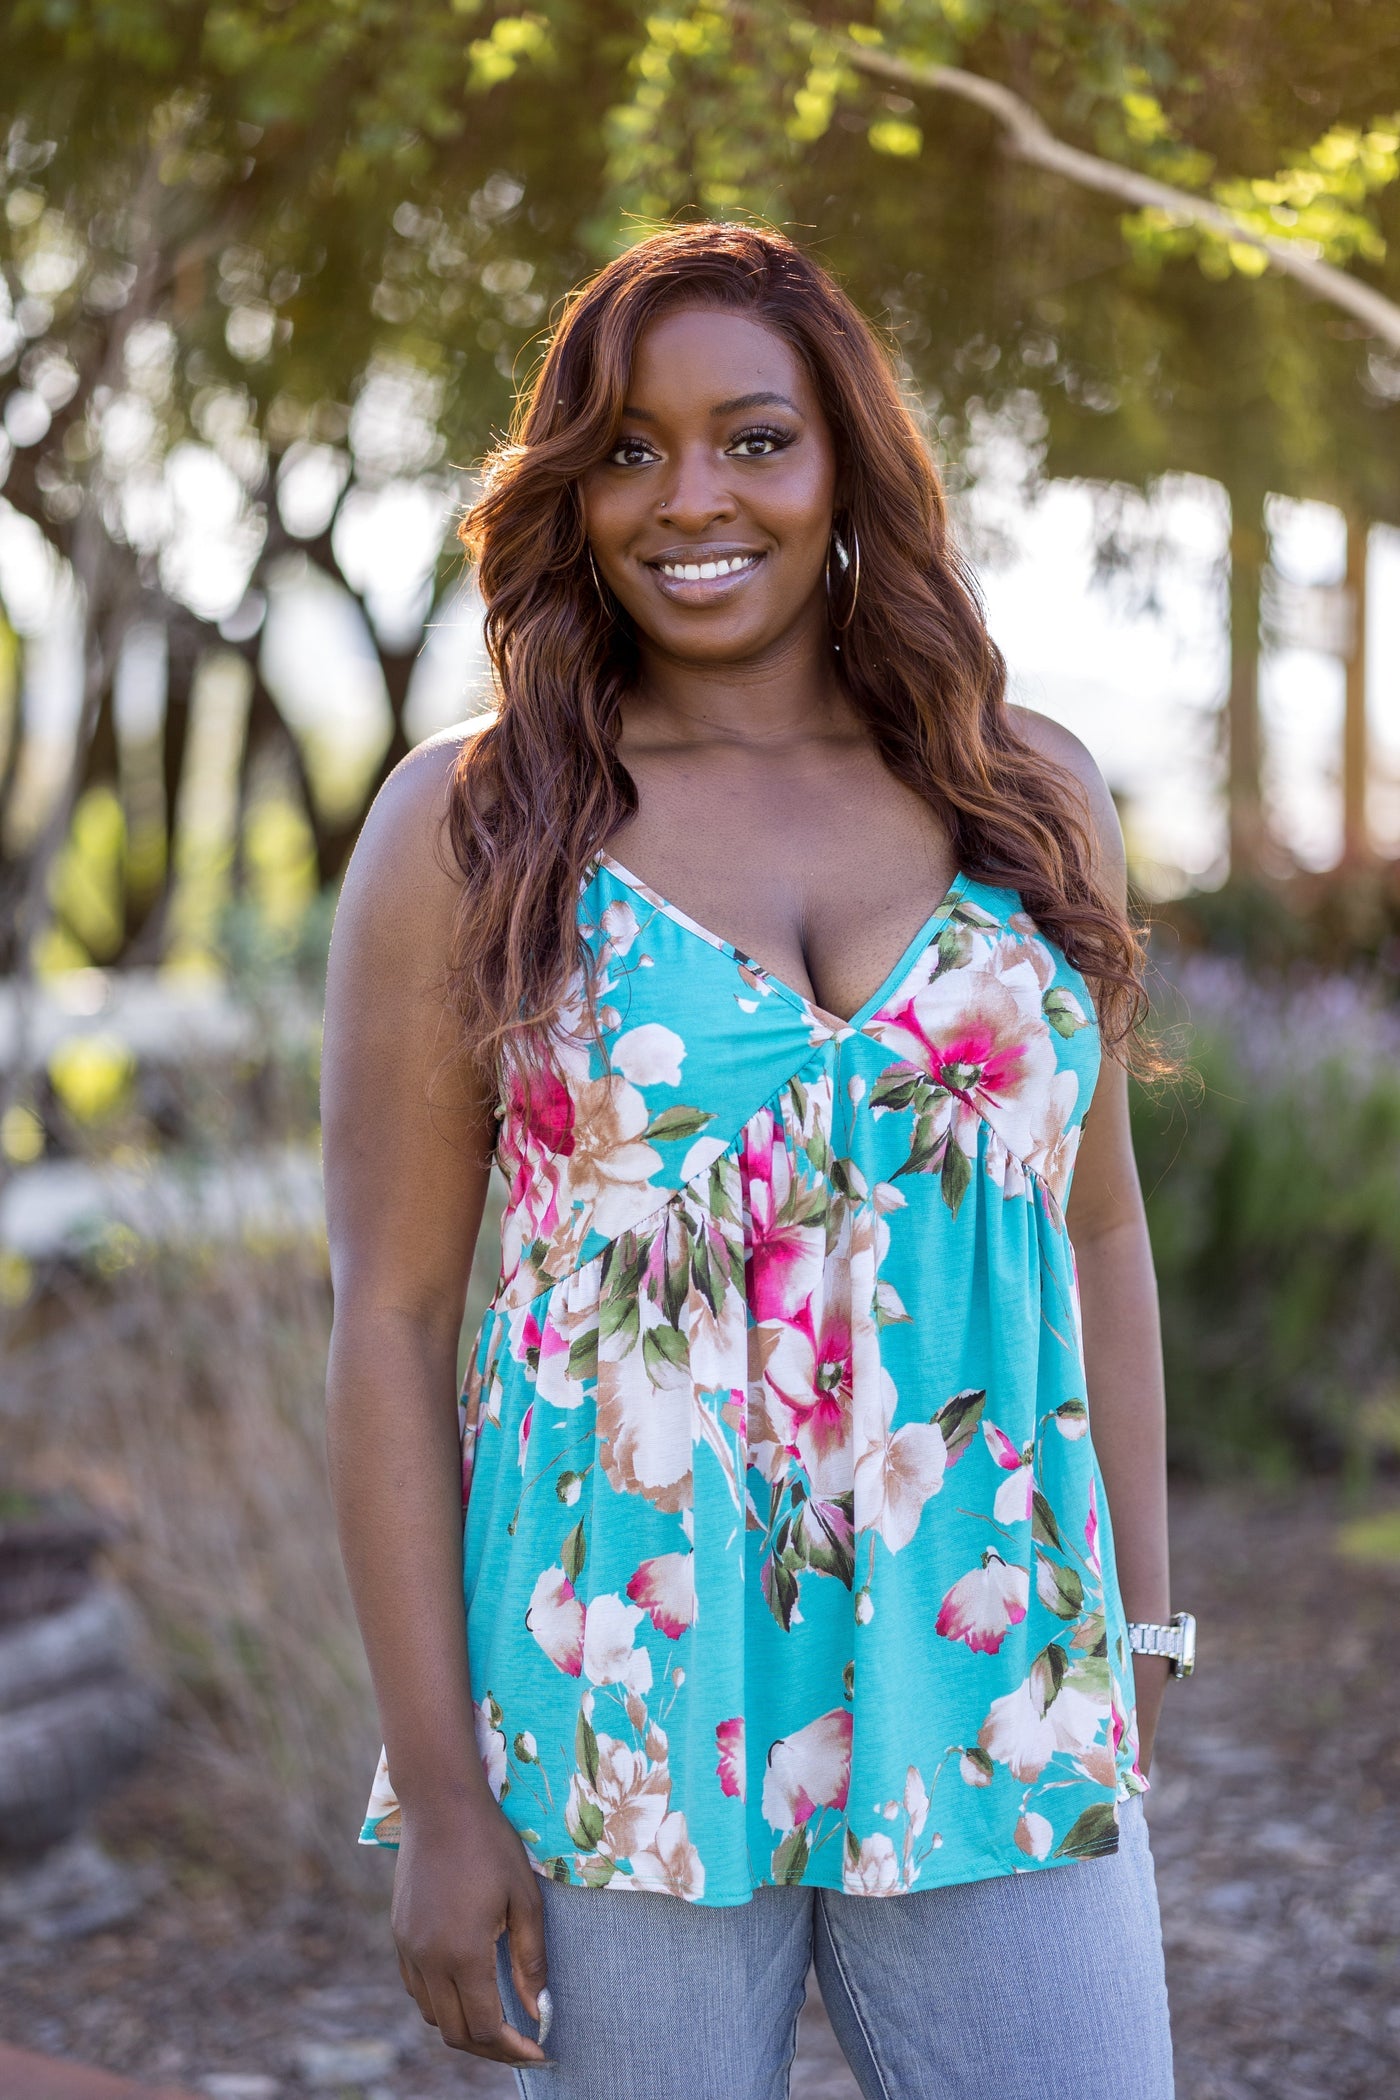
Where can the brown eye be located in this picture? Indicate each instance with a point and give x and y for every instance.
(629, 445)
(766, 436)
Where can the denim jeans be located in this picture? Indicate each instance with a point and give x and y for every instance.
(1043, 1985)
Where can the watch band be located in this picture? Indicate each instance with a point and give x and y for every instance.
(1178, 1640)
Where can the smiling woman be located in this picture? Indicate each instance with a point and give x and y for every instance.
(774, 960)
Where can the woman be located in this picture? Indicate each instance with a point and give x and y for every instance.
(770, 953)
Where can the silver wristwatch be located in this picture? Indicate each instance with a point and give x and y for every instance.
(1177, 1640)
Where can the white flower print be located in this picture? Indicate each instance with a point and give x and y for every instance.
(672, 1863)
(896, 1470)
(610, 1655)
(650, 1055)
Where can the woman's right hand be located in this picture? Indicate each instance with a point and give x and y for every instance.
(462, 1879)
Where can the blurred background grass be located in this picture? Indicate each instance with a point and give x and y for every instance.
(269, 277)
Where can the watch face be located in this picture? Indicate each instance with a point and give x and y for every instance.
(1188, 1642)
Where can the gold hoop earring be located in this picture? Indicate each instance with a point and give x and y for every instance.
(850, 564)
(598, 587)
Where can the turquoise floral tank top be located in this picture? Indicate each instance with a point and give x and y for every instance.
(787, 1556)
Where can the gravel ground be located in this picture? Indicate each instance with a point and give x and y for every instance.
(1275, 1823)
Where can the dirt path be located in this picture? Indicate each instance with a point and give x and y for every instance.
(1275, 1822)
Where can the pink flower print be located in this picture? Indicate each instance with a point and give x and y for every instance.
(1013, 1497)
(808, 1770)
(1091, 1529)
(732, 1767)
(809, 1374)
(978, 1034)
(784, 1256)
(671, 1863)
(665, 1588)
(527, 1418)
(555, 1618)
(982, 1604)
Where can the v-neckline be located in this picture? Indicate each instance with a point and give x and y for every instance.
(868, 1008)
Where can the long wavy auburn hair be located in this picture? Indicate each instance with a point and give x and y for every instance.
(540, 788)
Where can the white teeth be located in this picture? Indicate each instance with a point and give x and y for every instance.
(696, 571)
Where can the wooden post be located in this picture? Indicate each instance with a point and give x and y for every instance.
(1356, 840)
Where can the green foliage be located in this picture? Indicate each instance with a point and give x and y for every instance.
(1274, 1208)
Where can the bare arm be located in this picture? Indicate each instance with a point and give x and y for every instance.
(407, 1132)
(1118, 1296)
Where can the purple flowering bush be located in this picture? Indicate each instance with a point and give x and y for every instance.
(1272, 1176)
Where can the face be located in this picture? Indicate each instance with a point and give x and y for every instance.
(711, 517)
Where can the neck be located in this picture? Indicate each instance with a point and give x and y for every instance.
(789, 692)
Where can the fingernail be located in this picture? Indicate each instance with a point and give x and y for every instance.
(545, 2015)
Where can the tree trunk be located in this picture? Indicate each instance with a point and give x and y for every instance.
(1356, 840)
(1244, 739)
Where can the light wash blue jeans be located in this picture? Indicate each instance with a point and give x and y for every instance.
(1045, 1985)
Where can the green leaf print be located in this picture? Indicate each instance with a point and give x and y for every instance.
(898, 1087)
(617, 1314)
(957, 1175)
(1048, 1674)
(927, 1146)
(848, 1181)
(573, 1551)
(583, 1819)
(678, 1123)
(848, 1679)
(556, 1868)
(954, 943)
(1092, 1676)
(826, 1543)
(790, 1858)
(1044, 1530)
(583, 1355)
(1092, 1834)
(675, 1285)
(1059, 1588)
(981, 1758)
(958, 1419)
(1092, 1636)
(663, 1345)
(586, 1748)
(702, 1269)
(852, 1848)
(1063, 1011)
(797, 1094)
(780, 1588)
(597, 1873)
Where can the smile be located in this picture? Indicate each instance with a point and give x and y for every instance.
(693, 571)
(705, 578)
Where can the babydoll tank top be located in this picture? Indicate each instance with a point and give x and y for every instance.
(787, 1556)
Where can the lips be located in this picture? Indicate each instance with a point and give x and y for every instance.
(699, 575)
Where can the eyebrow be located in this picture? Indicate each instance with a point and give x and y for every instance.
(726, 408)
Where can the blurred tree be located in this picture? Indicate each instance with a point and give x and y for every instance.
(297, 252)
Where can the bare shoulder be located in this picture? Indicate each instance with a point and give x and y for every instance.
(1063, 748)
(403, 855)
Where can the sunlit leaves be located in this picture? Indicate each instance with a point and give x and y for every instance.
(897, 137)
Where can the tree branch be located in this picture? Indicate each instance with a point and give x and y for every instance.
(1028, 138)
